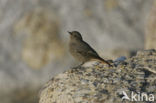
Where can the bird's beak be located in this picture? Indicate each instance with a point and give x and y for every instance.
(70, 32)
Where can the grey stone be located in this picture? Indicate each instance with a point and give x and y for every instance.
(103, 85)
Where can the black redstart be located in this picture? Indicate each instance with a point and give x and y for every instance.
(81, 50)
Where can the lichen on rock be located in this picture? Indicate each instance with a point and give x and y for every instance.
(102, 84)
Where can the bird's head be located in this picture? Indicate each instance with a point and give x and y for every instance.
(75, 35)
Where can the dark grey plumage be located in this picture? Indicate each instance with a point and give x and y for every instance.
(81, 50)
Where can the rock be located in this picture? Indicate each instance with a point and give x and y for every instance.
(150, 36)
(102, 84)
(119, 60)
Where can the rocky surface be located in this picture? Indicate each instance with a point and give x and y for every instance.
(94, 82)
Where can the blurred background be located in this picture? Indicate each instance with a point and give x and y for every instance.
(34, 38)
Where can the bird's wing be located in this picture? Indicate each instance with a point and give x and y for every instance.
(94, 54)
(86, 49)
(89, 48)
(88, 53)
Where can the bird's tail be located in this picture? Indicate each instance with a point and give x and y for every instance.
(104, 61)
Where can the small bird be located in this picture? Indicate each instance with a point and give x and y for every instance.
(81, 50)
